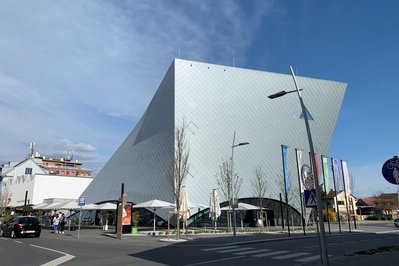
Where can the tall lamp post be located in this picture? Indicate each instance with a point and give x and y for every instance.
(322, 235)
(232, 180)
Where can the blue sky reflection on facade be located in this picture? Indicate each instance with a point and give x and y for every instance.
(77, 76)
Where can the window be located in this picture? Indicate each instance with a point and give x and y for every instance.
(340, 202)
(28, 171)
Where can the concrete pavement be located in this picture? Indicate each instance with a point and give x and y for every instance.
(387, 256)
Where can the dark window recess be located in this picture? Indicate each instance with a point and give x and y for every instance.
(28, 171)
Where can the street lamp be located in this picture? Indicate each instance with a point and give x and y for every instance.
(322, 235)
(232, 179)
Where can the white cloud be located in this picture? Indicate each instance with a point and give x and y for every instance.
(67, 145)
(83, 72)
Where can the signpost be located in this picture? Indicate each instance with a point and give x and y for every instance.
(81, 203)
(121, 208)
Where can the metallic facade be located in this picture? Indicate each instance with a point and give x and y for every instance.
(215, 101)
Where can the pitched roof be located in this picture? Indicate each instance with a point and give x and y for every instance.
(392, 197)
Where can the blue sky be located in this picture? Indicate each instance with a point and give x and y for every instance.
(77, 75)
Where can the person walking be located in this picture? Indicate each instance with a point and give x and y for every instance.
(62, 222)
(56, 223)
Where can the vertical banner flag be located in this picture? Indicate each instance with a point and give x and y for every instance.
(346, 178)
(284, 151)
(336, 174)
(299, 164)
(325, 173)
(316, 171)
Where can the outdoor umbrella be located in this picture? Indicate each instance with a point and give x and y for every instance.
(184, 208)
(243, 207)
(71, 205)
(184, 205)
(40, 206)
(155, 204)
(106, 206)
(90, 207)
(53, 206)
(214, 209)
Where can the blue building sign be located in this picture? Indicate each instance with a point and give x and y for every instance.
(390, 170)
(82, 201)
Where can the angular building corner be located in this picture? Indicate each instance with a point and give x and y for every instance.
(215, 101)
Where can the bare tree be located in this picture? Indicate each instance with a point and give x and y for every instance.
(289, 194)
(180, 168)
(383, 205)
(5, 194)
(260, 188)
(225, 182)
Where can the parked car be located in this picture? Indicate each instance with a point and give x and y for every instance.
(20, 226)
(396, 222)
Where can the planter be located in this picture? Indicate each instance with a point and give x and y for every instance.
(134, 230)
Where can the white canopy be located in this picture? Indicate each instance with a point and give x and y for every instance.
(155, 204)
(106, 206)
(40, 206)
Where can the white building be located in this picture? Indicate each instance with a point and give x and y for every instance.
(215, 101)
(37, 178)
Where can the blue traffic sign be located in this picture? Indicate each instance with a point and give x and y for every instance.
(82, 201)
(390, 170)
(310, 198)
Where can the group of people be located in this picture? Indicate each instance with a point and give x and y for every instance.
(58, 221)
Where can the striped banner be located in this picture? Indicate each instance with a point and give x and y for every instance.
(336, 174)
(346, 178)
(299, 164)
(325, 173)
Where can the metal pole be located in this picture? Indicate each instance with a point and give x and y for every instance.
(26, 197)
(324, 253)
(232, 185)
(285, 191)
(325, 189)
(282, 211)
(80, 219)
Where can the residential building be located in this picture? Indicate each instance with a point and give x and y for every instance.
(39, 177)
(384, 205)
(341, 203)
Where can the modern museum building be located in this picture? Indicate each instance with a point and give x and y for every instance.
(218, 103)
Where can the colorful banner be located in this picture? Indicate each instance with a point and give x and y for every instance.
(346, 178)
(317, 170)
(299, 164)
(325, 173)
(336, 174)
(286, 177)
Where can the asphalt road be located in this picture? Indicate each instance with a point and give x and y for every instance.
(93, 247)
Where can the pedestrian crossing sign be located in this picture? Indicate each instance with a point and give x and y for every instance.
(310, 198)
